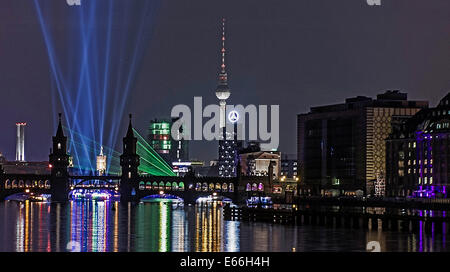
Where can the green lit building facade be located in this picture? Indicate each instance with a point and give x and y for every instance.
(161, 140)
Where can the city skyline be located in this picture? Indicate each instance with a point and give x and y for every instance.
(250, 127)
(312, 72)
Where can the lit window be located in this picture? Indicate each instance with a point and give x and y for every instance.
(59, 145)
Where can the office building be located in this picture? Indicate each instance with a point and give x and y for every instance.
(342, 147)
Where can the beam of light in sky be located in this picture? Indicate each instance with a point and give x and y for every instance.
(150, 161)
(94, 53)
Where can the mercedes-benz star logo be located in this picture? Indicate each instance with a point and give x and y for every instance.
(233, 116)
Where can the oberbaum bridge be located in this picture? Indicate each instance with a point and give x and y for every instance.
(130, 184)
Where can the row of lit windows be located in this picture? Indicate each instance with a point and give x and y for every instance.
(444, 112)
(426, 180)
(425, 162)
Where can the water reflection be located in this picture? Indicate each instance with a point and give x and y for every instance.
(99, 226)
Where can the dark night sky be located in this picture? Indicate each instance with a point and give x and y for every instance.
(295, 53)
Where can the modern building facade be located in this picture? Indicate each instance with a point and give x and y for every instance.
(341, 147)
(418, 154)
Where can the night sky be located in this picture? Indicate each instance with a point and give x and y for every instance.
(294, 53)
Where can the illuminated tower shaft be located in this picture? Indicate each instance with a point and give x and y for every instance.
(223, 91)
(20, 145)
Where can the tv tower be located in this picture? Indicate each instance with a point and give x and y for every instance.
(20, 144)
(223, 91)
(228, 146)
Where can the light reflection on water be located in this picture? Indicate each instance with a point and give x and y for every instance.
(111, 226)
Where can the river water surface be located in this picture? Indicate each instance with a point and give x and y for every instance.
(97, 226)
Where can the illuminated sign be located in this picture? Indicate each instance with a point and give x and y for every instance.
(233, 116)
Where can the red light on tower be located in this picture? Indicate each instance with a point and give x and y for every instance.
(50, 166)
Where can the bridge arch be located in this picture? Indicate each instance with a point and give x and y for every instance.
(254, 187)
(21, 183)
(47, 184)
(248, 187)
(225, 187)
(181, 186)
(7, 184)
(41, 184)
(168, 186)
(211, 187)
(91, 181)
(174, 186)
(260, 187)
(205, 187)
(231, 188)
(14, 184)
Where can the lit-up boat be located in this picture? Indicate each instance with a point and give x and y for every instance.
(254, 201)
(221, 200)
(21, 197)
(97, 195)
(163, 198)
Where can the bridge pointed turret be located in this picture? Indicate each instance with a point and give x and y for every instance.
(59, 131)
(130, 133)
(59, 163)
(129, 161)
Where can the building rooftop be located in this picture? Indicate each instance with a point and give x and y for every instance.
(388, 99)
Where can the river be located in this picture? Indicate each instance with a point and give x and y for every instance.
(101, 226)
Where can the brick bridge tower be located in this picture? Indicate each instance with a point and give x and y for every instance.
(59, 161)
(129, 161)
